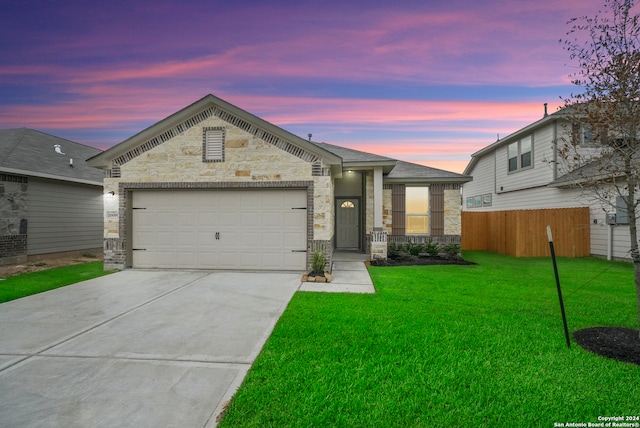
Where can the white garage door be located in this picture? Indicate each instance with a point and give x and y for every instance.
(220, 229)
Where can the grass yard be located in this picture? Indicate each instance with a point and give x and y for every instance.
(454, 346)
(27, 284)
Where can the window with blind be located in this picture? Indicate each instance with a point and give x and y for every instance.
(213, 145)
(519, 154)
(417, 210)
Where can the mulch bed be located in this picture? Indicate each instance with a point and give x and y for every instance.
(622, 344)
(420, 261)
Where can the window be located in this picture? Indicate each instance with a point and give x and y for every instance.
(520, 154)
(581, 135)
(513, 156)
(213, 145)
(417, 210)
(347, 204)
(470, 202)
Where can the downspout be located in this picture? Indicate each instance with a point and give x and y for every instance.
(610, 241)
(555, 150)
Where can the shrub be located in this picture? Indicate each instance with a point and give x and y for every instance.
(318, 263)
(414, 248)
(394, 250)
(432, 248)
(452, 251)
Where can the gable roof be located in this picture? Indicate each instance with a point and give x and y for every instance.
(28, 152)
(334, 156)
(396, 170)
(559, 115)
(202, 109)
(354, 159)
(407, 172)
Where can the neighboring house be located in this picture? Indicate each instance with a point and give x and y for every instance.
(50, 199)
(213, 186)
(522, 172)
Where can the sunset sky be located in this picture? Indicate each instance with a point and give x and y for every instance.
(424, 81)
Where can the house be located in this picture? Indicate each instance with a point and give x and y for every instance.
(50, 199)
(519, 186)
(213, 186)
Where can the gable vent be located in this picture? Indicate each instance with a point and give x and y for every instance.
(227, 117)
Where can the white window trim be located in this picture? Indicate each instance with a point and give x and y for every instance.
(519, 166)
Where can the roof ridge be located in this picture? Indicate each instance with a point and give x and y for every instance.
(16, 143)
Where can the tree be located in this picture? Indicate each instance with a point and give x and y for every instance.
(606, 48)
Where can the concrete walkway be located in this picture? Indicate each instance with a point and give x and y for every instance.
(135, 348)
(349, 275)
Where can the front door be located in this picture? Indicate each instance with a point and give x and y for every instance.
(347, 224)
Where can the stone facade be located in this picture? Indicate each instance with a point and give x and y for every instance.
(452, 212)
(249, 162)
(13, 219)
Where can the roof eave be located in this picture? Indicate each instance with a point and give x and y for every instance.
(427, 180)
(50, 176)
(512, 137)
(103, 159)
(387, 166)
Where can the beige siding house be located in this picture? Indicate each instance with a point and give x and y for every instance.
(213, 186)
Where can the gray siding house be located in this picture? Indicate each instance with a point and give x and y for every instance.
(51, 201)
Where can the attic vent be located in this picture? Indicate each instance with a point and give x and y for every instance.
(165, 136)
(318, 170)
(236, 121)
(113, 172)
(227, 117)
(10, 178)
(213, 144)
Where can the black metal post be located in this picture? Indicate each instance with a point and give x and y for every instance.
(555, 270)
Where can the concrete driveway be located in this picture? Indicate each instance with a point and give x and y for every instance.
(135, 348)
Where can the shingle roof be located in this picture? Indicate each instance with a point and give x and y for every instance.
(407, 171)
(350, 155)
(397, 170)
(29, 152)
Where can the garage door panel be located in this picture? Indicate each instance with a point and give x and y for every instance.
(186, 239)
(271, 240)
(295, 218)
(220, 229)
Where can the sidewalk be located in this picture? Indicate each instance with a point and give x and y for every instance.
(349, 275)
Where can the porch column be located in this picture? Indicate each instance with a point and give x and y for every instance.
(377, 198)
(378, 237)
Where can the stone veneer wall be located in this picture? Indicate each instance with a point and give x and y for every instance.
(368, 203)
(387, 212)
(452, 212)
(249, 162)
(13, 218)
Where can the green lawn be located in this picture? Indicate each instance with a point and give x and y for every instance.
(27, 284)
(447, 346)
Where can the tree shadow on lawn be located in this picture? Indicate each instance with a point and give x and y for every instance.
(619, 343)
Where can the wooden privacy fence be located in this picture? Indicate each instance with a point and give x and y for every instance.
(522, 233)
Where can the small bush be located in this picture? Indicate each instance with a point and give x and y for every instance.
(432, 248)
(318, 263)
(415, 249)
(394, 250)
(452, 251)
